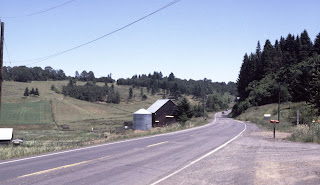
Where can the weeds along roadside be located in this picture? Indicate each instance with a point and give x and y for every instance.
(38, 142)
(307, 131)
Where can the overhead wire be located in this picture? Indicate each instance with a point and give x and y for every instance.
(5, 45)
(39, 12)
(41, 59)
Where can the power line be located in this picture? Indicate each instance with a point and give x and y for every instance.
(5, 44)
(39, 12)
(41, 59)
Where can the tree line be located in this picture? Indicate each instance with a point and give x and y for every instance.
(90, 92)
(175, 87)
(28, 74)
(290, 66)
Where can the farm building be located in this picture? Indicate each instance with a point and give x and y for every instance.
(162, 112)
(142, 120)
(6, 135)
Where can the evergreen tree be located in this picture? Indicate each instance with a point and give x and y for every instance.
(258, 50)
(37, 93)
(32, 92)
(243, 79)
(316, 46)
(144, 97)
(183, 111)
(26, 92)
(306, 46)
(117, 98)
(171, 77)
(289, 52)
(130, 93)
(141, 91)
(315, 82)
(267, 59)
(77, 76)
(278, 55)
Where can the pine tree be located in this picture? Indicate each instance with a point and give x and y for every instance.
(141, 91)
(243, 79)
(267, 59)
(289, 52)
(130, 93)
(144, 97)
(183, 111)
(26, 92)
(171, 77)
(37, 93)
(258, 50)
(315, 83)
(32, 91)
(306, 46)
(278, 55)
(316, 46)
(117, 98)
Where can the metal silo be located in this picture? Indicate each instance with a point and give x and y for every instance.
(142, 120)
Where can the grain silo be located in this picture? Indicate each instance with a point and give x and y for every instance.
(142, 120)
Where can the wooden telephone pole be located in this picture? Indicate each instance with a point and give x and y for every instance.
(1, 59)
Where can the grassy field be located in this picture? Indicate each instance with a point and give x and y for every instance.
(26, 113)
(69, 110)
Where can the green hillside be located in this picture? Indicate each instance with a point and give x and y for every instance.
(26, 113)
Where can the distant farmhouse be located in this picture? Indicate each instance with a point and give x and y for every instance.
(162, 112)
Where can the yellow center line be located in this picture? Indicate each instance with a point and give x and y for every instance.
(158, 144)
(61, 167)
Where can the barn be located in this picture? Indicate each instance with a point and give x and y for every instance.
(162, 112)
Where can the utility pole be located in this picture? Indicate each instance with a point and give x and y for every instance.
(1, 59)
(279, 105)
(203, 108)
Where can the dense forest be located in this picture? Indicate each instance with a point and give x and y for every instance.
(289, 67)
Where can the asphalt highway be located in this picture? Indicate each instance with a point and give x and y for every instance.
(147, 160)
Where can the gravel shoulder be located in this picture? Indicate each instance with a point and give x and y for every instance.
(256, 158)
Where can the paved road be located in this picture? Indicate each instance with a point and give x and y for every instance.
(147, 160)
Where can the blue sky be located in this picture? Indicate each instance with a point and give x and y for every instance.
(193, 39)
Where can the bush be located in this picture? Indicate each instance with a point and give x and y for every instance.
(144, 97)
(240, 107)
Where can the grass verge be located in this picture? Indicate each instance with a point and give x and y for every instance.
(48, 140)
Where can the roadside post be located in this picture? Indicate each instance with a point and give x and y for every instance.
(274, 127)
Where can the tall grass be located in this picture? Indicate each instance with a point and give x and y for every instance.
(305, 133)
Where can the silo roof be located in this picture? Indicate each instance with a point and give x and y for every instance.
(157, 105)
(142, 111)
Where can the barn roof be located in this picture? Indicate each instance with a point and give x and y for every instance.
(157, 105)
(6, 133)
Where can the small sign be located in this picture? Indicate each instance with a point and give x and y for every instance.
(274, 121)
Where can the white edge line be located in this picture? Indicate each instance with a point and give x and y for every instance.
(106, 144)
(202, 157)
